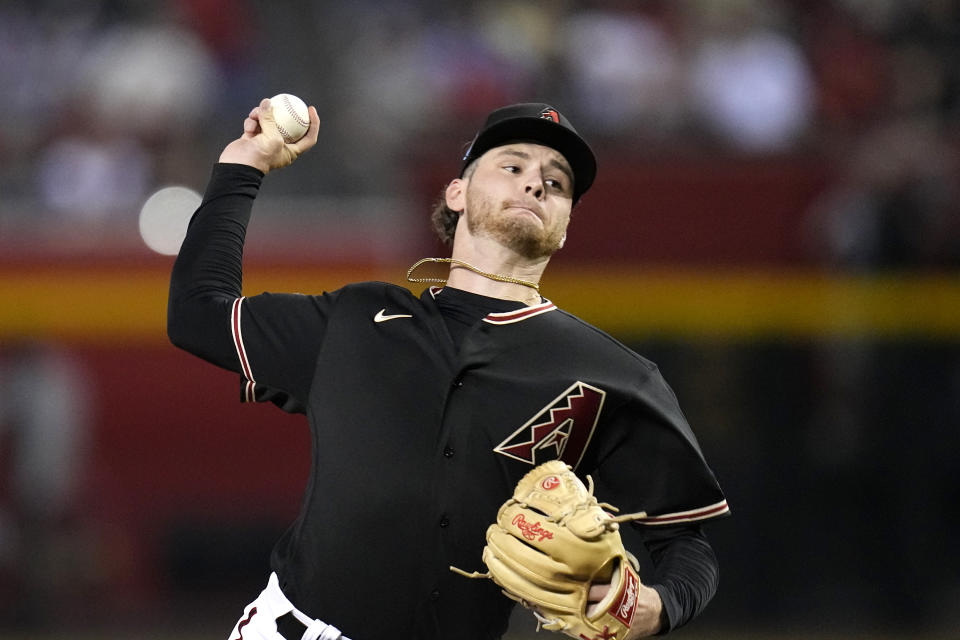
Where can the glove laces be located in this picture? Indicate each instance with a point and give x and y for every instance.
(614, 520)
(611, 523)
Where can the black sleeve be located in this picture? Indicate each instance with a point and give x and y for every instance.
(270, 339)
(207, 276)
(650, 459)
(686, 568)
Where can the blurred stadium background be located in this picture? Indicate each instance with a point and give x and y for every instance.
(776, 223)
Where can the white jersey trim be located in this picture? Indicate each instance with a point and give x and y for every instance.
(693, 515)
(237, 332)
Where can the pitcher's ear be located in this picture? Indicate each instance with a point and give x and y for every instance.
(455, 194)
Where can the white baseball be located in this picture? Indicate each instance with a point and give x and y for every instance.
(291, 115)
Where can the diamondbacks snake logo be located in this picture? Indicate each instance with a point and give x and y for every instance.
(560, 431)
(550, 114)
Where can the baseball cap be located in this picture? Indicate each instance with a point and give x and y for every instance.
(542, 124)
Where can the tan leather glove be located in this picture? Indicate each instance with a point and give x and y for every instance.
(552, 540)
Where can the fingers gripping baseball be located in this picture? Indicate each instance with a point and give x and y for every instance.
(262, 146)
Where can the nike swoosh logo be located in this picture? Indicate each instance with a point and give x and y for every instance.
(382, 317)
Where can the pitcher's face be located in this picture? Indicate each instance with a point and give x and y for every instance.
(521, 196)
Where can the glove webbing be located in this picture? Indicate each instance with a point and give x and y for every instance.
(612, 523)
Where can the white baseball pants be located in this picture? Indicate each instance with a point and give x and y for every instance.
(259, 621)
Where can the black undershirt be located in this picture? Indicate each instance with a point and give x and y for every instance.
(685, 565)
(461, 310)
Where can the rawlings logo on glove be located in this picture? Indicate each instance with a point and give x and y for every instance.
(552, 540)
(530, 531)
(628, 603)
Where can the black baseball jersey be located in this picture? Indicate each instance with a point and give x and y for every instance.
(417, 439)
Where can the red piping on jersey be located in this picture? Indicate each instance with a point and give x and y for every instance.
(241, 350)
(507, 317)
(244, 623)
(522, 314)
(689, 516)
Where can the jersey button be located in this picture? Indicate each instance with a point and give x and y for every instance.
(448, 452)
(435, 595)
(444, 522)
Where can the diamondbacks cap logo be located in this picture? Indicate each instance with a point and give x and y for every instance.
(560, 431)
(550, 114)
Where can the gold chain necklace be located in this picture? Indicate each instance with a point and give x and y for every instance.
(493, 276)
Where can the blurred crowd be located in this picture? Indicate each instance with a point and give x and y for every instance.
(106, 100)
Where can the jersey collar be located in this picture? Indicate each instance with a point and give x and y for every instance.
(510, 317)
